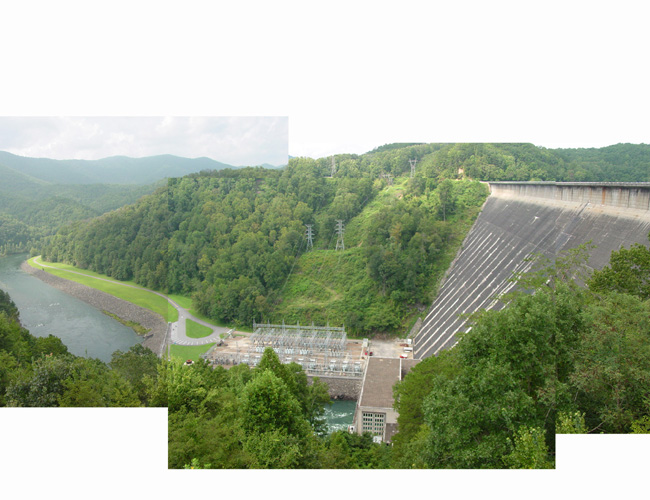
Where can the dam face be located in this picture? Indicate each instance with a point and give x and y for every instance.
(520, 219)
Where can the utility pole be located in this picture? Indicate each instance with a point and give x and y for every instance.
(310, 234)
(333, 167)
(413, 161)
(339, 230)
(388, 177)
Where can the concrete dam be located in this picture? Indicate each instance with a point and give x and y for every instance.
(520, 219)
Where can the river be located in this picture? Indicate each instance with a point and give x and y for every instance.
(85, 331)
(44, 310)
(340, 414)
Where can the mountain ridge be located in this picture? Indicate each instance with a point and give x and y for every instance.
(110, 170)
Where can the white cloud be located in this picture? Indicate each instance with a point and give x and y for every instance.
(233, 140)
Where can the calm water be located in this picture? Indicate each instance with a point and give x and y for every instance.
(44, 310)
(340, 414)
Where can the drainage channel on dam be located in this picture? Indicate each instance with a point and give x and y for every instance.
(514, 225)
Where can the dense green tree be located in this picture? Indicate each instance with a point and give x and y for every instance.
(49, 345)
(267, 405)
(529, 450)
(134, 365)
(344, 450)
(91, 383)
(311, 397)
(628, 272)
(216, 439)
(42, 385)
(498, 392)
(410, 392)
(273, 449)
(611, 376)
(570, 423)
(641, 425)
(7, 306)
(9, 367)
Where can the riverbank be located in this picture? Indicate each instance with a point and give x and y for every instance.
(156, 325)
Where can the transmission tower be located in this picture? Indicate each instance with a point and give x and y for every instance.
(413, 162)
(333, 167)
(310, 234)
(388, 177)
(339, 230)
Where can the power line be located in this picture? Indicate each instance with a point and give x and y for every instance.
(295, 259)
(340, 245)
(413, 161)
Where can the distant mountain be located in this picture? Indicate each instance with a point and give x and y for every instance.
(112, 170)
(11, 180)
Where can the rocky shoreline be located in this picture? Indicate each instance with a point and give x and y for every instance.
(155, 323)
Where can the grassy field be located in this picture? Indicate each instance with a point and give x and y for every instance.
(196, 331)
(137, 296)
(186, 303)
(186, 352)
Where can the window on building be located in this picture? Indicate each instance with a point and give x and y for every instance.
(373, 423)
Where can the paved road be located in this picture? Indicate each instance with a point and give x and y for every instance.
(178, 328)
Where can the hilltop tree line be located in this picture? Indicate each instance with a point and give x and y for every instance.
(510, 162)
(57, 205)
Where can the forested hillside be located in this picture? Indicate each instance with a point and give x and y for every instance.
(235, 240)
(39, 195)
(31, 210)
(518, 162)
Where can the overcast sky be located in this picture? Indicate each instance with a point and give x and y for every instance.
(349, 77)
(237, 141)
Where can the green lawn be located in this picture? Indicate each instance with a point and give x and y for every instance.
(137, 296)
(186, 303)
(186, 352)
(196, 331)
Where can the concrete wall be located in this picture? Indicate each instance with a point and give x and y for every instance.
(619, 195)
(522, 219)
(342, 388)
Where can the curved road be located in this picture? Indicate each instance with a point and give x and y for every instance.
(178, 328)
